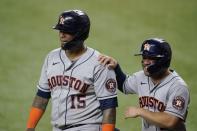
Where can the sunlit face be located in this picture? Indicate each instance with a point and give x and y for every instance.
(146, 62)
(65, 37)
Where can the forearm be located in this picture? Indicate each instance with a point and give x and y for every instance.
(120, 77)
(37, 110)
(40, 102)
(109, 119)
(160, 119)
(109, 116)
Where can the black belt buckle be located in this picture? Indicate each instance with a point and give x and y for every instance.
(64, 127)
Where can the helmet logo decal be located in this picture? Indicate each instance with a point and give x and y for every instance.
(147, 46)
(62, 19)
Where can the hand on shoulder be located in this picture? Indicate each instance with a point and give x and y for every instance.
(108, 61)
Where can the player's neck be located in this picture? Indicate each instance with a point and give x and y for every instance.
(76, 53)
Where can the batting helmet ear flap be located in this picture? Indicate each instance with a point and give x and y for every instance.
(158, 67)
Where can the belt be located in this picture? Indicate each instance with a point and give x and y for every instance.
(64, 127)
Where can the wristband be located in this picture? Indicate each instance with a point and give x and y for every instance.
(108, 127)
(34, 117)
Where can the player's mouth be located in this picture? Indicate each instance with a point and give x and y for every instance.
(145, 68)
(63, 43)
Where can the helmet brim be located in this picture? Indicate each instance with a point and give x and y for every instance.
(56, 27)
(137, 54)
(62, 29)
(152, 55)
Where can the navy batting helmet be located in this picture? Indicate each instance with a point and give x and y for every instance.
(76, 23)
(159, 50)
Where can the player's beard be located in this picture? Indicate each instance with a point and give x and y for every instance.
(71, 45)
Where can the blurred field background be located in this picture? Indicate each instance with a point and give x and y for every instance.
(117, 29)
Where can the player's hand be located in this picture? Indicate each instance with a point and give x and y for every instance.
(132, 112)
(108, 61)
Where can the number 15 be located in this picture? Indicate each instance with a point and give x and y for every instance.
(78, 101)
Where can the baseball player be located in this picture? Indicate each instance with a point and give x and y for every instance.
(82, 91)
(163, 94)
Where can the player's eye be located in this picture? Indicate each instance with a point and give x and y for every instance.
(150, 57)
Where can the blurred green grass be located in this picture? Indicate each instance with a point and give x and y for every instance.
(117, 29)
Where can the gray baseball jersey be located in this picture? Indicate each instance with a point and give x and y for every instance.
(170, 96)
(76, 87)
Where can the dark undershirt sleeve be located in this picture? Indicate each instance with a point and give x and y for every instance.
(108, 103)
(44, 94)
(120, 77)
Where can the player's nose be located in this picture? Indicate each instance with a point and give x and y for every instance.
(146, 61)
(62, 34)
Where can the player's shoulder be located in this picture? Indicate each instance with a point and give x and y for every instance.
(54, 52)
(94, 55)
(93, 61)
(179, 83)
(139, 74)
(178, 78)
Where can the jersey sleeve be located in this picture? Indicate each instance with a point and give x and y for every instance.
(105, 83)
(43, 87)
(130, 85)
(177, 104)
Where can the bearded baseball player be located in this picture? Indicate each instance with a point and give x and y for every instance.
(82, 91)
(163, 94)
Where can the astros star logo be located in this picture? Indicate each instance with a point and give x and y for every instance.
(178, 103)
(62, 19)
(147, 46)
(111, 85)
